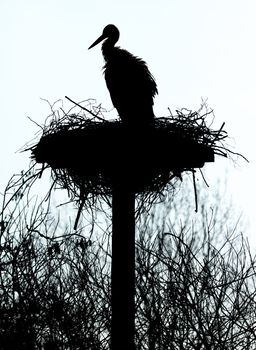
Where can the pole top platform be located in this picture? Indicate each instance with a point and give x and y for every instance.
(96, 155)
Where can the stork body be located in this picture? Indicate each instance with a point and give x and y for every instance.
(130, 83)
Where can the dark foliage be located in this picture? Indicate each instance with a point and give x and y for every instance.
(191, 292)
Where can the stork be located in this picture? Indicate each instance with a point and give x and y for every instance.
(131, 85)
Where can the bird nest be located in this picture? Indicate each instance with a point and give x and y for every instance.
(89, 155)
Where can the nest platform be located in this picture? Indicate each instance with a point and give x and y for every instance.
(96, 155)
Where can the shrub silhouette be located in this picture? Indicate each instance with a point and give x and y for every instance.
(191, 291)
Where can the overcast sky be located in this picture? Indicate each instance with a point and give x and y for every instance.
(196, 49)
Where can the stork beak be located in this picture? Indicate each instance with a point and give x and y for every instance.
(102, 37)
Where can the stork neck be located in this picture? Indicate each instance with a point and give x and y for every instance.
(108, 48)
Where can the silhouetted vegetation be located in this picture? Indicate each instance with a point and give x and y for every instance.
(195, 281)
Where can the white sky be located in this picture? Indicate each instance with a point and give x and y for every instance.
(194, 48)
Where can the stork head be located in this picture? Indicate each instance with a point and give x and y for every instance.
(110, 32)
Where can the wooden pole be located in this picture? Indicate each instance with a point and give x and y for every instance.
(123, 268)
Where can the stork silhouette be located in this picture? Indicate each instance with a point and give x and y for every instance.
(131, 85)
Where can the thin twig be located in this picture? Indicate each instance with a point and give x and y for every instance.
(195, 191)
(85, 109)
